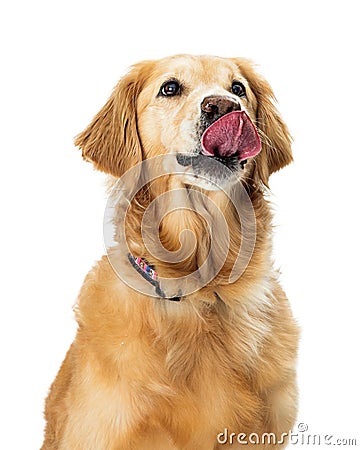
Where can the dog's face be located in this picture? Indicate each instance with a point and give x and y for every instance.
(200, 109)
(177, 106)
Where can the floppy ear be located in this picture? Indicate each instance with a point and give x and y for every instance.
(111, 140)
(275, 137)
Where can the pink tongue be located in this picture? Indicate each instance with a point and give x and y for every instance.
(232, 134)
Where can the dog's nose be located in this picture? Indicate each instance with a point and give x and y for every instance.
(217, 105)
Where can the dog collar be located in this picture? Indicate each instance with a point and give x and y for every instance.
(148, 272)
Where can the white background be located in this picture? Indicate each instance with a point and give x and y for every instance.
(59, 62)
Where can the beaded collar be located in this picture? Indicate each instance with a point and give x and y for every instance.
(148, 272)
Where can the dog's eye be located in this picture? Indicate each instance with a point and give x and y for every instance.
(238, 89)
(170, 88)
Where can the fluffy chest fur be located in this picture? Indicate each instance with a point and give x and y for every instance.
(163, 365)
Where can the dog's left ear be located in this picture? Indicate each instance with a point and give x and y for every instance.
(275, 137)
(111, 140)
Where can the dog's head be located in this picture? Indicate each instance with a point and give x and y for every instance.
(199, 109)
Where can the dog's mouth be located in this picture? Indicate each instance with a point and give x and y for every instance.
(233, 134)
(230, 140)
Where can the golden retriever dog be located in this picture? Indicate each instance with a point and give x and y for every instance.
(185, 338)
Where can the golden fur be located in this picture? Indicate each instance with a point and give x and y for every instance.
(149, 373)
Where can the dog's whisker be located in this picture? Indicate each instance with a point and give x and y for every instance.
(264, 138)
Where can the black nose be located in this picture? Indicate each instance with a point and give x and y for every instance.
(216, 106)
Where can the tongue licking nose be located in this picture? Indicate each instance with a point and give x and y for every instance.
(233, 134)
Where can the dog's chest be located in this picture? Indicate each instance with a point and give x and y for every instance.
(210, 380)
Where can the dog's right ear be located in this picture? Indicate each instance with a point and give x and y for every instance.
(111, 140)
